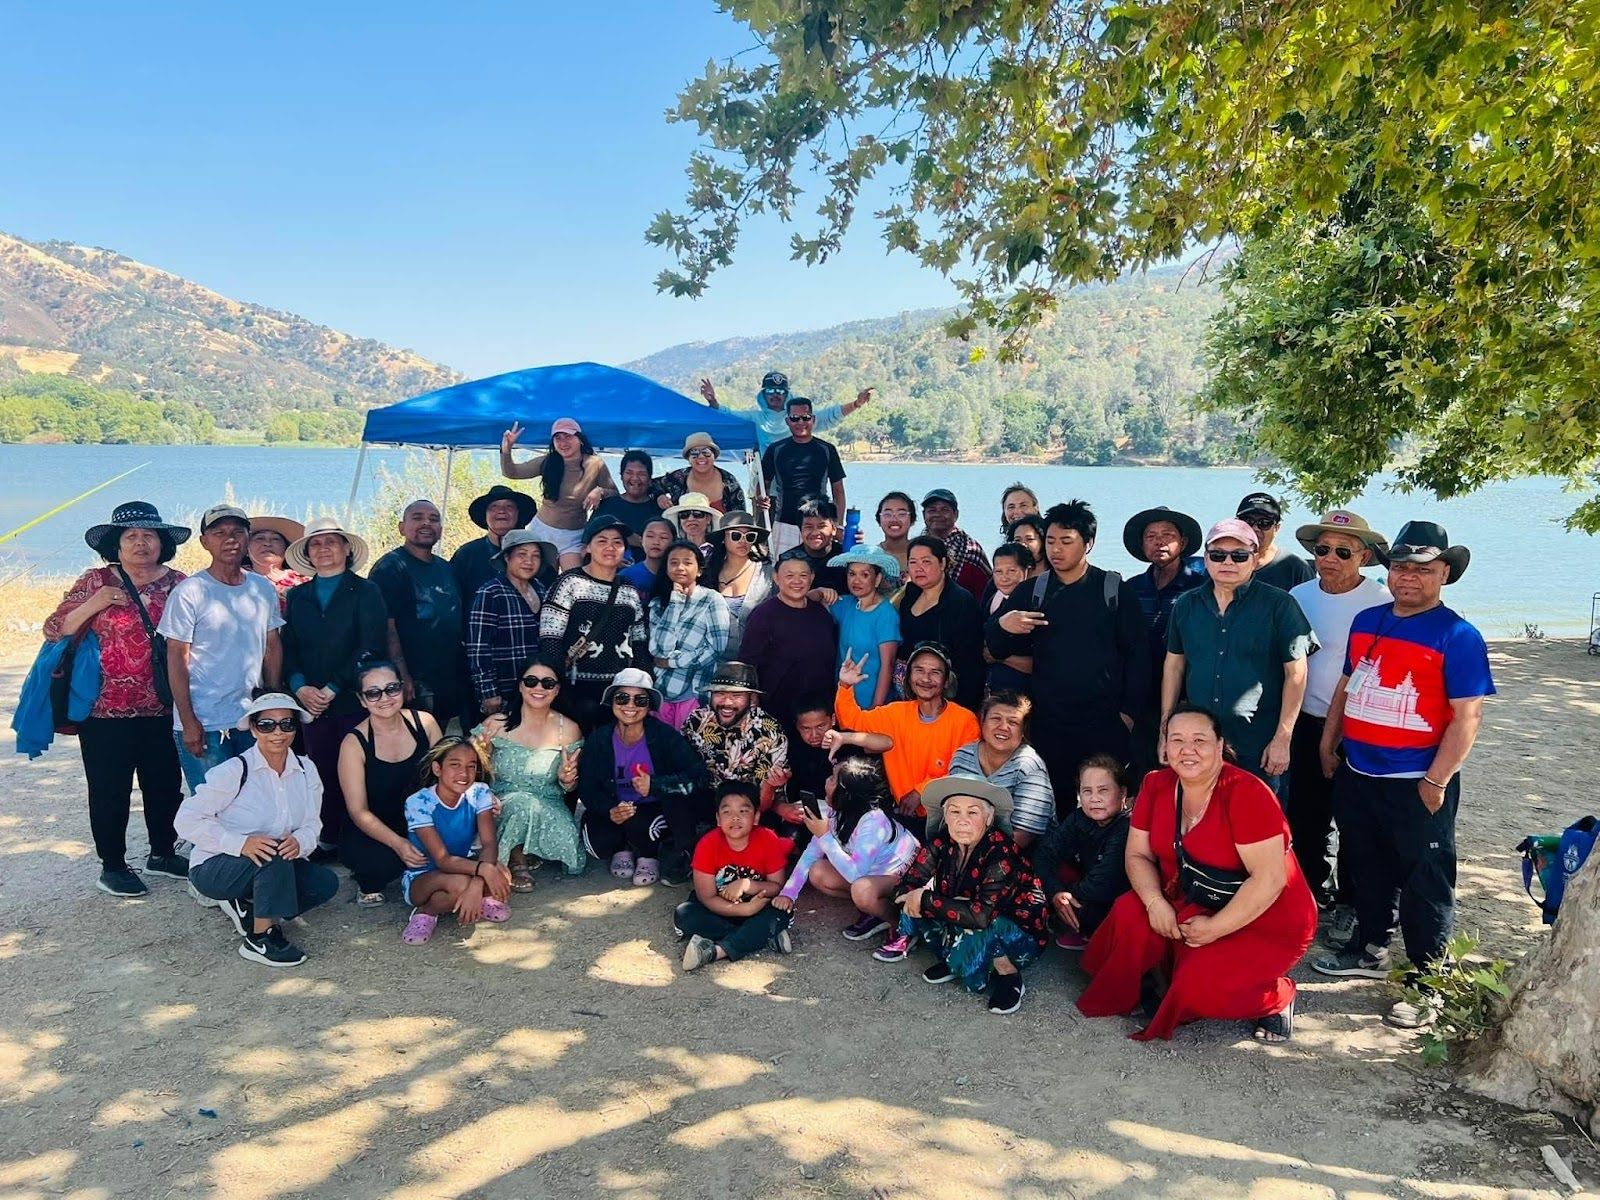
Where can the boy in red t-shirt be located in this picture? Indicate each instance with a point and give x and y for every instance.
(738, 868)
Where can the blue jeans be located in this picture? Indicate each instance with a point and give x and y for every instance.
(220, 746)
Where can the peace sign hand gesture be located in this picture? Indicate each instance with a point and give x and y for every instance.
(567, 773)
(850, 671)
(509, 438)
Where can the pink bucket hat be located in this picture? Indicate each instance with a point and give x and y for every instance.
(1235, 529)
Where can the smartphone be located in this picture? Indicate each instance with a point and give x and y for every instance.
(809, 802)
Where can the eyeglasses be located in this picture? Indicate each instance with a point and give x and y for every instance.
(796, 419)
(630, 700)
(903, 513)
(548, 683)
(374, 694)
(1260, 522)
(742, 535)
(1322, 550)
(1238, 556)
(268, 725)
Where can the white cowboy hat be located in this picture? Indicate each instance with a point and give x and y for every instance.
(295, 556)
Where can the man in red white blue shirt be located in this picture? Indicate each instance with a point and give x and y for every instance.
(1415, 677)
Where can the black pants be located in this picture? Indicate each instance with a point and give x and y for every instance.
(373, 864)
(1402, 861)
(739, 937)
(1310, 812)
(115, 749)
(640, 833)
(279, 889)
(1064, 743)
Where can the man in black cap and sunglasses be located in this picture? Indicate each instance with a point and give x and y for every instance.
(1264, 514)
(770, 408)
(1239, 649)
(1342, 544)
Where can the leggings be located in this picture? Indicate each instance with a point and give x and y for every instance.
(640, 833)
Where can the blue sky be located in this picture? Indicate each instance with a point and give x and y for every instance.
(469, 180)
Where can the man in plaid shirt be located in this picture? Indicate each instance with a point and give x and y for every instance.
(965, 564)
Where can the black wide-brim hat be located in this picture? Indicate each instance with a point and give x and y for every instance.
(135, 514)
(478, 510)
(1133, 531)
(1425, 541)
(734, 676)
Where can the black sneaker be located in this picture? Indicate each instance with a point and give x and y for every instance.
(783, 942)
(1006, 995)
(271, 949)
(121, 881)
(675, 871)
(940, 972)
(238, 912)
(1357, 962)
(173, 866)
(324, 854)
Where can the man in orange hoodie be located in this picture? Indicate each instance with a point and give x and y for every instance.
(927, 730)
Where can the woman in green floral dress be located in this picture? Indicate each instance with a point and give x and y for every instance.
(534, 753)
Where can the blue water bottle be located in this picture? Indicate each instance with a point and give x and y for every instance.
(852, 527)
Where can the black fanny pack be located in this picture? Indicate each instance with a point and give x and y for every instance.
(1199, 883)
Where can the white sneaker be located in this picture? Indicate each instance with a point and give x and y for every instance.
(1408, 1014)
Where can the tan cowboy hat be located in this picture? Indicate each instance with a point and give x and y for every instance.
(296, 554)
(1340, 520)
(688, 502)
(992, 794)
(700, 441)
(289, 530)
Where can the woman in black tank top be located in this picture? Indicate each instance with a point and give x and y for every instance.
(373, 843)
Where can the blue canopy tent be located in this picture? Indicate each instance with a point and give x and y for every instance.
(617, 409)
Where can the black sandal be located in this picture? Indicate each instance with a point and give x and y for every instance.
(1276, 1029)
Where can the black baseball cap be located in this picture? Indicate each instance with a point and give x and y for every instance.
(1260, 502)
(774, 381)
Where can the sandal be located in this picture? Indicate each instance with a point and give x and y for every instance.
(622, 864)
(1277, 1028)
(369, 899)
(419, 928)
(647, 872)
(497, 911)
(522, 878)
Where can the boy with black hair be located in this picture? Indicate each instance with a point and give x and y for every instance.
(739, 868)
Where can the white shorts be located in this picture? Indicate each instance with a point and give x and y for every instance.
(566, 541)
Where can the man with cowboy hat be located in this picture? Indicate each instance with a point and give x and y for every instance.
(221, 626)
(497, 512)
(737, 739)
(1415, 677)
(1342, 544)
(769, 410)
(1170, 542)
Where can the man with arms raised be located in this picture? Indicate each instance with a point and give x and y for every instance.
(1416, 674)
(769, 411)
(1342, 544)
(221, 626)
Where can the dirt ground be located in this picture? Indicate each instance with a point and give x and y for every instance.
(565, 1054)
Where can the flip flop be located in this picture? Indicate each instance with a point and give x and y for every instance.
(647, 872)
(622, 864)
(369, 899)
(522, 879)
(419, 928)
(496, 911)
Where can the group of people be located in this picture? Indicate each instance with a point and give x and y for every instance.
(983, 752)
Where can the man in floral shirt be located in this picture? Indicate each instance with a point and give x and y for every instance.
(737, 740)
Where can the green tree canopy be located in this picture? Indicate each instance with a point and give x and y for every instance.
(1413, 185)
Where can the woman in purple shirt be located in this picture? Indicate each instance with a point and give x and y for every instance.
(791, 640)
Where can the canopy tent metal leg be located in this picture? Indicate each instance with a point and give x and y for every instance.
(449, 470)
(355, 485)
(758, 488)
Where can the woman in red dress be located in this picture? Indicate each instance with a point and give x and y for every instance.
(1230, 964)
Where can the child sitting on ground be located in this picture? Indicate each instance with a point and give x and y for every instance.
(738, 868)
(443, 821)
(1013, 568)
(1080, 861)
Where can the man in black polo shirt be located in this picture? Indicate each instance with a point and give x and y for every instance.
(1085, 631)
(801, 467)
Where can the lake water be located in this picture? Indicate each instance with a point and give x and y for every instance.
(1525, 567)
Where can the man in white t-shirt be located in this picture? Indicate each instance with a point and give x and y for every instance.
(221, 626)
(1342, 544)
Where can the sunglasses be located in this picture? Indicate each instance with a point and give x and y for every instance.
(800, 420)
(1238, 556)
(630, 700)
(268, 725)
(743, 535)
(1322, 550)
(702, 454)
(1262, 522)
(548, 683)
(378, 693)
